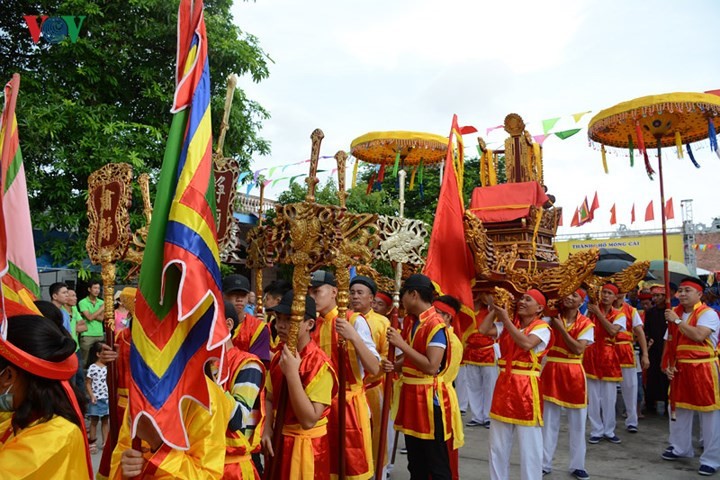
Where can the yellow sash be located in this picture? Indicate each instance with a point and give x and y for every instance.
(302, 459)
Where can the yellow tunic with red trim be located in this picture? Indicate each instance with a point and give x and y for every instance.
(357, 436)
(563, 377)
(122, 364)
(695, 384)
(600, 359)
(238, 447)
(478, 347)
(374, 384)
(248, 332)
(306, 451)
(453, 360)
(43, 450)
(516, 398)
(206, 434)
(624, 340)
(413, 407)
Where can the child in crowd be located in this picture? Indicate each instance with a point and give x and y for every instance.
(97, 389)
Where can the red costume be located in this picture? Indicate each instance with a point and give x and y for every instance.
(563, 377)
(358, 433)
(413, 407)
(600, 360)
(305, 452)
(624, 340)
(695, 384)
(517, 391)
(248, 332)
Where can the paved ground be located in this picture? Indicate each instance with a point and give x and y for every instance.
(637, 457)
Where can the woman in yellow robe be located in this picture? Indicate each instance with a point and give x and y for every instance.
(41, 439)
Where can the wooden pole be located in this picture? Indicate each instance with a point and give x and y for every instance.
(388, 386)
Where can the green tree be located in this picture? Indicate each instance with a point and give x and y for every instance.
(107, 97)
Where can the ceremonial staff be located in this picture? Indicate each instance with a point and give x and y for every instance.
(109, 198)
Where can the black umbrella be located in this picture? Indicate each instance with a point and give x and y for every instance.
(615, 254)
(610, 266)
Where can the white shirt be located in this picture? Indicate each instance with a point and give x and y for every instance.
(543, 334)
(363, 329)
(709, 319)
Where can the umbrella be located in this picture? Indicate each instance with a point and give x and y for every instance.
(610, 266)
(661, 121)
(615, 253)
(676, 270)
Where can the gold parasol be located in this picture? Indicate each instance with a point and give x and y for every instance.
(383, 148)
(659, 121)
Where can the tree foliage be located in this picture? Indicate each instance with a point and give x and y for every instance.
(107, 97)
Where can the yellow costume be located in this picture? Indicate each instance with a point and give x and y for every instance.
(53, 449)
(206, 432)
(374, 384)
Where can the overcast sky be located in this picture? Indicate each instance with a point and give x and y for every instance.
(351, 67)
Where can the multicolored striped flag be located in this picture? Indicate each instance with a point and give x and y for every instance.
(180, 320)
(18, 266)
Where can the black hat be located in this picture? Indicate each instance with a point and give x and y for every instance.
(234, 283)
(418, 281)
(363, 280)
(322, 277)
(285, 306)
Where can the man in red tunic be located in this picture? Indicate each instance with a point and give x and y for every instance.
(422, 410)
(691, 364)
(360, 357)
(602, 366)
(253, 335)
(517, 405)
(564, 383)
(479, 372)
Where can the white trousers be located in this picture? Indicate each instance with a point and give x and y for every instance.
(576, 430)
(629, 389)
(601, 407)
(475, 385)
(681, 435)
(530, 440)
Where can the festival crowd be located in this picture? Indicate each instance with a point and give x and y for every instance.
(279, 414)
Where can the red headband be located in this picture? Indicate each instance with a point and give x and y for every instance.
(537, 295)
(657, 289)
(693, 285)
(385, 298)
(645, 296)
(581, 292)
(444, 307)
(612, 288)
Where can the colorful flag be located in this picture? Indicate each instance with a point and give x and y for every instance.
(576, 219)
(180, 320)
(560, 221)
(449, 261)
(585, 214)
(613, 219)
(632, 214)
(18, 266)
(669, 210)
(649, 213)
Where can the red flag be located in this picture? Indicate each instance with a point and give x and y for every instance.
(632, 214)
(595, 205)
(449, 261)
(669, 210)
(649, 213)
(576, 219)
(560, 220)
(613, 218)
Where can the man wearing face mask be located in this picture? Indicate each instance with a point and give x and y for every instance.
(46, 436)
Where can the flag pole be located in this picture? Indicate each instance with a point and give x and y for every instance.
(388, 385)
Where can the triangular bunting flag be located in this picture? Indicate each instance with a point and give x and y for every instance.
(578, 116)
(549, 124)
(575, 220)
(539, 139)
(669, 210)
(565, 134)
(649, 212)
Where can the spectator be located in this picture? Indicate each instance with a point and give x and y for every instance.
(121, 313)
(59, 298)
(97, 389)
(91, 308)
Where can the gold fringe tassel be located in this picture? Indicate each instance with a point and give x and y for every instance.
(412, 179)
(355, 172)
(679, 145)
(538, 161)
(604, 159)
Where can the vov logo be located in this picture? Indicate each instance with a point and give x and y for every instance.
(54, 29)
